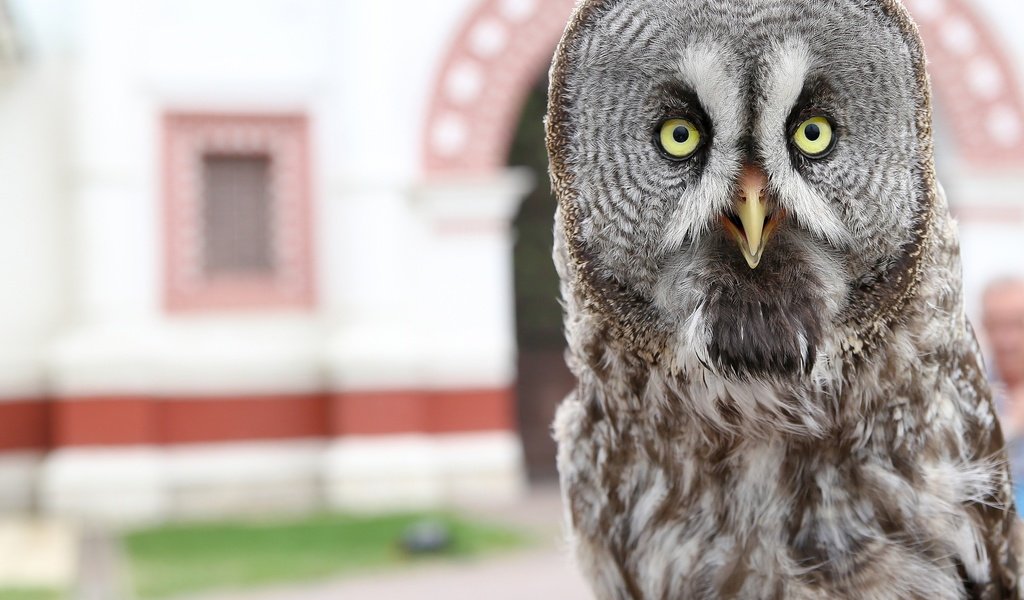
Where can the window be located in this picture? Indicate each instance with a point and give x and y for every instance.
(236, 215)
(237, 212)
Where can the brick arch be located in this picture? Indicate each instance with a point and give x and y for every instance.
(504, 45)
(494, 61)
(975, 82)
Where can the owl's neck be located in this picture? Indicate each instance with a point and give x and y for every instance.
(849, 388)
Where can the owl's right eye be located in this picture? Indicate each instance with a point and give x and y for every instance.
(679, 138)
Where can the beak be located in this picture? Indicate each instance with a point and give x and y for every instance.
(751, 223)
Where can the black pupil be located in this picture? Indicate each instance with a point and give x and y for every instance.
(681, 134)
(813, 132)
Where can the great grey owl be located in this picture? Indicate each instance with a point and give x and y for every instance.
(779, 395)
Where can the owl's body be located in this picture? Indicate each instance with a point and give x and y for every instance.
(807, 418)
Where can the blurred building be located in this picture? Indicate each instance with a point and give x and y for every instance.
(261, 253)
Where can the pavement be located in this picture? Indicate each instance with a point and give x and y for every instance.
(536, 575)
(102, 567)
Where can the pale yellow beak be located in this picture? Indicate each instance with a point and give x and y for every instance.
(752, 209)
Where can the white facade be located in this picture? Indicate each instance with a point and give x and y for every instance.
(398, 304)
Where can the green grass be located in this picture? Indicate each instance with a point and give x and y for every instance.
(180, 559)
(30, 594)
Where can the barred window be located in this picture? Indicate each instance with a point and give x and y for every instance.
(236, 215)
(237, 222)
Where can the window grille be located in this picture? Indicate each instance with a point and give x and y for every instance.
(236, 215)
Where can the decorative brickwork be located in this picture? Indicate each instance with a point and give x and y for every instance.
(214, 158)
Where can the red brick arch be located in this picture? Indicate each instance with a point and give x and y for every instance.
(503, 46)
(975, 82)
(494, 61)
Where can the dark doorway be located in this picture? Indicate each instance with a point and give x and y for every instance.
(543, 379)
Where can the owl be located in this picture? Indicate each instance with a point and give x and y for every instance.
(779, 394)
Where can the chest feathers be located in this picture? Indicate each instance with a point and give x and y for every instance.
(665, 504)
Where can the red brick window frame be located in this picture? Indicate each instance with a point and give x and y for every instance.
(194, 144)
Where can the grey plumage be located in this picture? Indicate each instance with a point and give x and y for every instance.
(817, 427)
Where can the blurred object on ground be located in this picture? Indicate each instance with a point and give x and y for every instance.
(428, 536)
(37, 558)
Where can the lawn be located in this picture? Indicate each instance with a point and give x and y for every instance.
(181, 559)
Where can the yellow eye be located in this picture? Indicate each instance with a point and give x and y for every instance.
(679, 138)
(814, 137)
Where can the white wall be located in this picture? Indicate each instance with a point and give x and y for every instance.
(363, 72)
(403, 303)
(33, 185)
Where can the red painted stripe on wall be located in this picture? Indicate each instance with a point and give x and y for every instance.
(382, 413)
(122, 421)
(141, 420)
(377, 413)
(234, 419)
(145, 420)
(24, 425)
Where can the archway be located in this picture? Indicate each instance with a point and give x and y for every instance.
(543, 379)
(975, 83)
(494, 61)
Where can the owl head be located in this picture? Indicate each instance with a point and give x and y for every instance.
(740, 180)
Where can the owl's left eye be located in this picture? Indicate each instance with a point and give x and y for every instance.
(679, 138)
(814, 137)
